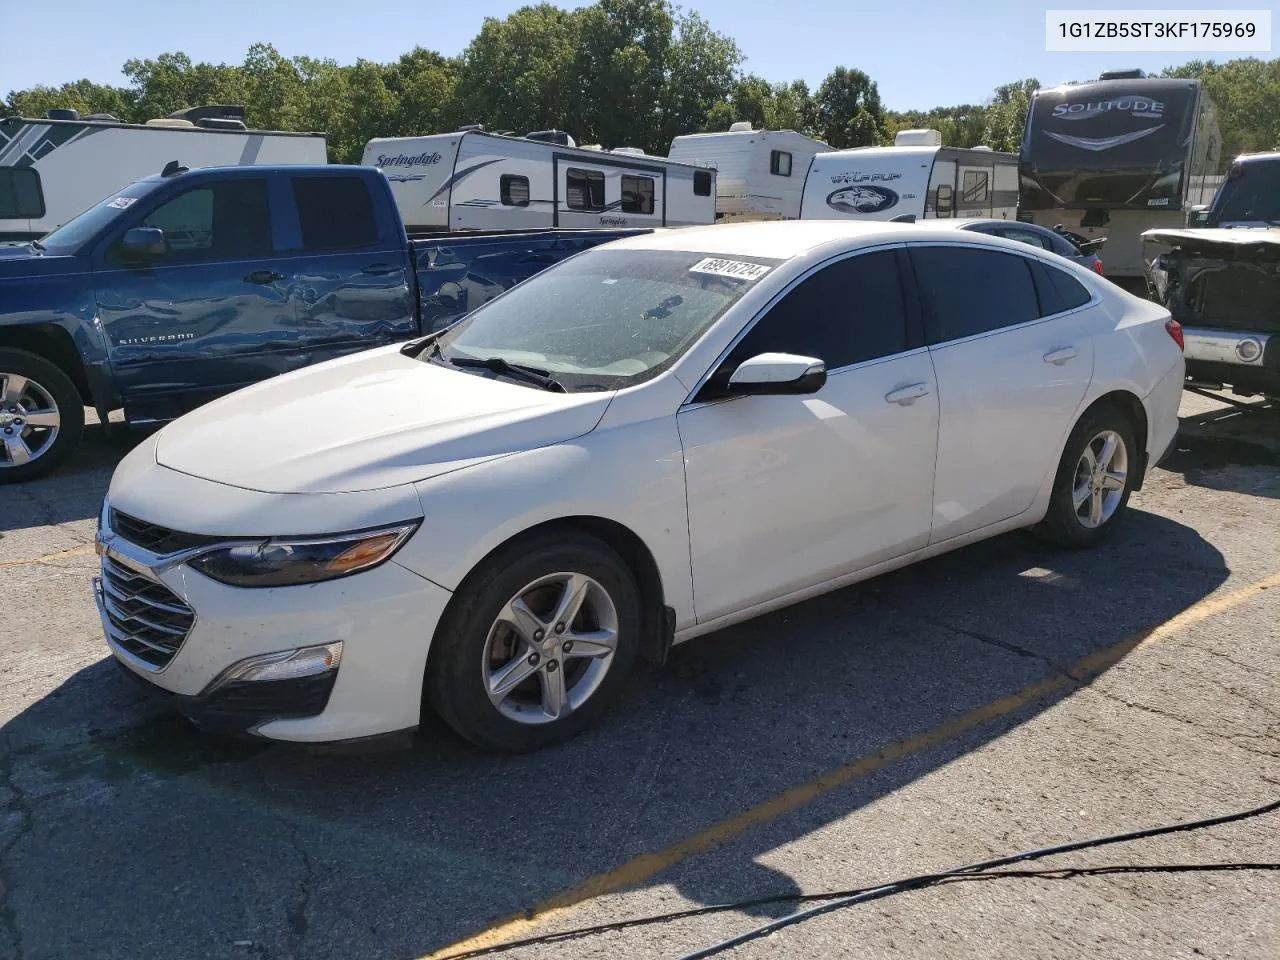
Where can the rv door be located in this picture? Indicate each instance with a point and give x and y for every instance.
(974, 176)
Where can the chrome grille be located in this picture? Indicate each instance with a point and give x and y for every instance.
(144, 617)
(155, 538)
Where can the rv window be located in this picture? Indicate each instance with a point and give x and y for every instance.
(584, 189)
(21, 197)
(846, 313)
(701, 183)
(942, 198)
(974, 189)
(637, 194)
(230, 220)
(515, 190)
(780, 163)
(973, 291)
(335, 213)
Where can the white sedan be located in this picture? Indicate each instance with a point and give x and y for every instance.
(652, 440)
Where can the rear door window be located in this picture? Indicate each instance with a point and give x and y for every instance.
(335, 213)
(968, 291)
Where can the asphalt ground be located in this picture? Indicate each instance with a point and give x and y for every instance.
(1005, 697)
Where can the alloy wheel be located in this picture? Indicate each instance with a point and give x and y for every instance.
(550, 648)
(1100, 479)
(29, 420)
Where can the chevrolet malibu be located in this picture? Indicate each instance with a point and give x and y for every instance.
(652, 440)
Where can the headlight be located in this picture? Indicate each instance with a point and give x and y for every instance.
(286, 562)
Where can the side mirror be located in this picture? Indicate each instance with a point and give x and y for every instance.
(778, 373)
(1198, 216)
(143, 243)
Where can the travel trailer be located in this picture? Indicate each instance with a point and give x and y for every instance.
(760, 173)
(915, 179)
(476, 180)
(1117, 156)
(53, 168)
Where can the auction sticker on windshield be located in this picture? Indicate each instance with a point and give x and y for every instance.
(738, 269)
(123, 203)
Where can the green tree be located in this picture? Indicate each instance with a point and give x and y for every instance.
(849, 113)
(1006, 117)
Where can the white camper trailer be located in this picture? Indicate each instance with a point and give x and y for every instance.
(475, 180)
(52, 169)
(760, 172)
(915, 179)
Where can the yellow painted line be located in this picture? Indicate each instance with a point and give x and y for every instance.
(648, 865)
(83, 551)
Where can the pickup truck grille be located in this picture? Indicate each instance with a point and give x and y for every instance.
(159, 540)
(144, 617)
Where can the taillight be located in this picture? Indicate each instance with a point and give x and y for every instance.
(1175, 331)
(1097, 266)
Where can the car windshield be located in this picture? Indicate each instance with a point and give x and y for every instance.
(79, 230)
(606, 319)
(1253, 195)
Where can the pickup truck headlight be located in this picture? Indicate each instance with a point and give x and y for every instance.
(286, 562)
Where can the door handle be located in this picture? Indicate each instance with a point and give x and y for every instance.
(1060, 355)
(263, 276)
(380, 269)
(908, 394)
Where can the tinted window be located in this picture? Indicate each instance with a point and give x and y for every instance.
(20, 195)
(1253, 194)
(584, 189)
(701, 183)
(780, 163)
(1059, 291)
(336, 213)
(637, 194)
(974, 291)
(221, 221)
(846, 313)
(515, 190)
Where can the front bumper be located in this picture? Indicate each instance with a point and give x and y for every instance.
(243, 708)
(385, 618)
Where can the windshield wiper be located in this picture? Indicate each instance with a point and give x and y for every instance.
(518, 371)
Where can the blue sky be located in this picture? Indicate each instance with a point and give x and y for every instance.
(922, 53)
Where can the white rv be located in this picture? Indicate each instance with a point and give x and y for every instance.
(475, 180)
(915, 179)
(760, 173)
(54, 168)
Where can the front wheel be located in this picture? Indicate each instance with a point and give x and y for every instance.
(41, 416)
(1094, 480)
(536, 644)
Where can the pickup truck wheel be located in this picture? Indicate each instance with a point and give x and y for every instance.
(536, 643)
(41, 416)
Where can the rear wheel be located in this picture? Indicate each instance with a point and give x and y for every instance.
(536, 644)
(41, 416)
(1094, 480)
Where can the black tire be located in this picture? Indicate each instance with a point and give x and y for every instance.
(1063, 525)
(50, 379)
(455, 685)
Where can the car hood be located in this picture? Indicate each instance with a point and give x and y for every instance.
(23, 260)
(373, 420)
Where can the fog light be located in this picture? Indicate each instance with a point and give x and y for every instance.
(285, 665)
(1248, 350)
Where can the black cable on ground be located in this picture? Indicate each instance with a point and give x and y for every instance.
(841, 898)
(914, 883)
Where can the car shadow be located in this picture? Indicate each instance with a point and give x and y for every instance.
(1231, 448)
(358, 852)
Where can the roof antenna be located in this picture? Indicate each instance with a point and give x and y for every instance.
(173, 168)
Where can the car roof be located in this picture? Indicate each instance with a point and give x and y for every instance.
(780, 239)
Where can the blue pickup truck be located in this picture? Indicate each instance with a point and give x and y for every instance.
(193, 283)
